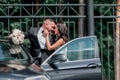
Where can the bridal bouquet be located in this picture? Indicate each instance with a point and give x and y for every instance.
(17, 36)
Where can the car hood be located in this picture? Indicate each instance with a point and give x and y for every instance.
(19, 73)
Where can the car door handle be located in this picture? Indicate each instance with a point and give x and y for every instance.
(92, 65)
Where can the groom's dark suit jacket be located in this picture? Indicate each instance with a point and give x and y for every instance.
(35, 48)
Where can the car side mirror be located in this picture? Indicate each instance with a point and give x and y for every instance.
(56, 58)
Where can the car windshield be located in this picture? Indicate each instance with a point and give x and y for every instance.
(10, 53)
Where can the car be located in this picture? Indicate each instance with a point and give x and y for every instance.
(79, 59)
(17, 64)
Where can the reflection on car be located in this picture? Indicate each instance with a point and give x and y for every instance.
(15, 63)
(76, 60)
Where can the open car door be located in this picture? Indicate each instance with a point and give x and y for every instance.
(76, 60)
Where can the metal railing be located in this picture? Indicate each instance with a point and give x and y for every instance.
(20, 12)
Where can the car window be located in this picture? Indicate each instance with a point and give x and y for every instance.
(11, 52)
(79, 49)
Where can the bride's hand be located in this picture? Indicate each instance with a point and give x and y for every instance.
(46, 32)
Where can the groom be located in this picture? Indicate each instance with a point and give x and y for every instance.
(37, 40)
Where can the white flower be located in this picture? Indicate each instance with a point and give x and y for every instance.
(18, 36)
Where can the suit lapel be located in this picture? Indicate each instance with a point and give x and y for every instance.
(35, 34)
